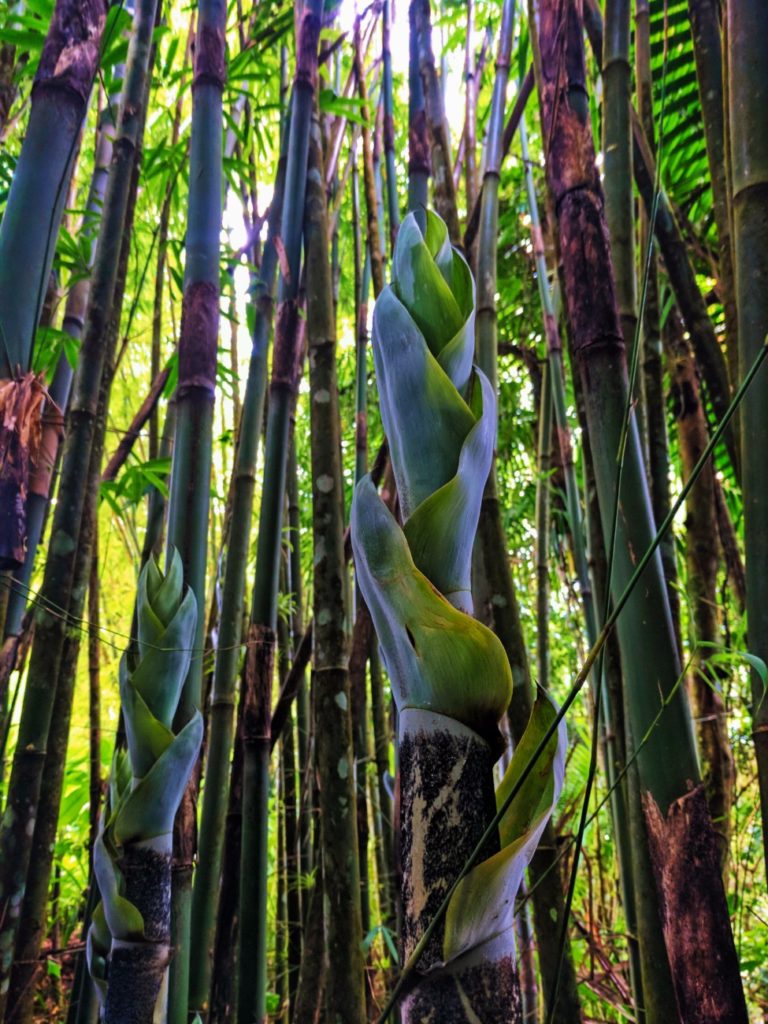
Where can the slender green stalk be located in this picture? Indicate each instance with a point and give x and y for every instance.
(653, 419)
(652, 983)
(708, 54)
(489, 203)
(334, 752)
(747, 96)
(518, 109)
(436, 124)
(162, 258)
(191, 472)
(542, 529)
(222, 705)
(703, 558)
(30, 225)
(470, 110)
(617, 147)
(418, 143)
(286, 363)
(502, 598)
(369, 178)
(696, 923)
(393, 206)
(76, 493)
(293, 879)
(303, 715)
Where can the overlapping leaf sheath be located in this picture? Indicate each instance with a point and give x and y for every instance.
(450, 676)
(129, 940)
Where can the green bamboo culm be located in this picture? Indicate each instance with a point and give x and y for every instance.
(191, 473)
(259, 665)
(30, 225)
(747, 96)
(494, 583)
(418, 143)
(129, 943)
(450, 676)
(228, 651)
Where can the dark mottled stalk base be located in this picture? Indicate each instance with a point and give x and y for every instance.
(136, 969)
(484, 993)
(446, 802)
(699, 942)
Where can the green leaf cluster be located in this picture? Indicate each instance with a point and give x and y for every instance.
(439, 415)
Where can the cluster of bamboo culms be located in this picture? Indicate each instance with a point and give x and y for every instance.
(249, 856)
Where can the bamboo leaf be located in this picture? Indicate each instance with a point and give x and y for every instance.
(418, 400)
(123, 919)
(149, 810)
(438, 658)
(441, 532)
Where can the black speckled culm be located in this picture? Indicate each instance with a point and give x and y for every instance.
(488, 991)
(446, 802)
(136, 969)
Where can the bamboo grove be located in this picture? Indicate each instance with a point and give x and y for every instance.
(383, 511)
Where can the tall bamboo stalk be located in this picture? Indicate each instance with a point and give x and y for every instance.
(434, 109)
(696, 925)
(293, 879)
(191, 472)
(653, 418)
(222, 708)
(369, 177)
(703, 558)
(162, 257)
(52, 418)
(708, 54)
(31, 219)
(303, 715)
(76, 492)
(543, 506)
(470, 110)
(393, 205)
(418, 143)
(747, 97)
(330, 675)
(487, 250)
(617, 147)
(286, 363)
(501, 594)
